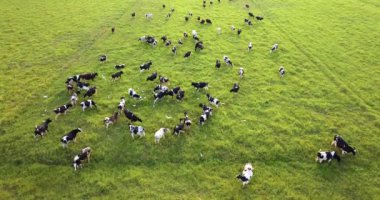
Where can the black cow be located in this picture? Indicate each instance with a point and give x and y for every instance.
(145, 66)
(116, 75)
(113, 29)
(88, 76)
(180, 95)
(102, 58)
(132, 117)
(208, 21)
(199, 85)
(212, 100)
(340, 143)
(217, 64)
(259, 18)
(133, 14)
(235, 88)
(164, 38)
(121, 66)
(152, 77)
(239, 31)
(187, 54)
(199, 45)
(90, 92)
(202, 21)
(41, 129)
(251, 14)
(70, 137)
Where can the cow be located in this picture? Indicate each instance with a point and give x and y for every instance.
(246, 174)
(202, 119)
(145, 66)
(250, 46)
(274, 48)
(187, 54)
(281, 71)
(174, 50)
(206, 109)
(327, 156)
(120, 66)
(117, 75)
(227, 60)
(90, 92)
(113, 29)
(199, 45)
(160, 134)
(239, 31)
(340, 143)
(87, 104)
(259, 18)
(111, 120)
(42, 129)
(148, 15)
(200, 85)
(251, 14)
(62, 109)
(185, 35)
(71, 136)
(163, 79)
(132, 93)
(186, 18)
(180, 95)
(217, 64)
(168, 43)
(208, 21)
(164, 38)
(187, 121)
(178, 129)
(83, 86)
(121, 105)
(180, 42)
(131, 116)
(74, 98)
(152, 77)
(212, 100)
(69, 87)
(241, 72)
(133, 14)
(102, 58)
(82, 156)
(235, 88)
(136, 130)
(158, 96)
(160, 88)
(219, 30)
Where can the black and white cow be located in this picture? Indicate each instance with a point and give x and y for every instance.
(185, 35)
(199, 45)
(239, 31)
(180, 95)
(163, 79)
(131, 116)
(202, 119)
(341, 144)
(187, 54)
(174, 50)
(145, 66)
(120, 66)
(72, 79)
(82, 156)
(83, 86)
(217, 64)
(158, 96)
(227, 60)
(116, 75)
(121, 105)
(87, 104)
(70, 87)
(168, 43)
(160, 88)
(212, 100)
(327, 156)
(136, 130)
(149, 16)
(235, 88)
(74, 98)
(246, 174)
(88, 76)
(102, 58)
(111, 120)
(90, 92)
(274, 48)
(200, 85)
(241, 72)
(250, 46)
(187, 121)
(281, 71)
(206, 109)
(179, 128)
(164, 38)
(133, 94)
(152, 77)
(71, 136)
(62, 109)
(42, 129)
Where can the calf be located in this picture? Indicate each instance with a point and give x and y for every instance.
(116, 75)
(326, 156)
(160, 134)
(121, 105)
(145, 66)
(158, 96)
(217, 64)
(340, 143)
(71, 136)
(187, 54)
(132, 93)
(235, 88)
(42, 129)
(200, 85)
(102, 58)
(241, 72)
(74, 98)
(199, 45)
(212, 100)
(281, 71)
(227, 60)
(246, 174)
(152, 77)
(136, 130)
(88, 76)
(120, 66)
(131, 116)
(84, 155)
(90, 92)
(69, 87)
(87, 104)
(274, 48)
(250, 46)
(63, 109)
(111, 120)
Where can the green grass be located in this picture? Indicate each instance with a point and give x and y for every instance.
(330, 50)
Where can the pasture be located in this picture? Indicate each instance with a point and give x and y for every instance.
(330, 50)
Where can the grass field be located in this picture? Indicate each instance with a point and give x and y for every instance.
(330, 50)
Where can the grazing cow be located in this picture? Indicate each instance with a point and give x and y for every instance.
(174, 50)
(121, 66)
(178, 129)
(164, 38)
(152, 77)
(340, 143)
(180, 42)
(274, 48)
(241, 72)
(187, 120)
(121, 105)
(212, 100)
(281, 71)
(132, 117)
(199, 45)
(219, 30)
(185, 35)
(259, 18)
(117, 75)
(158, 96)
(168, 43)
(160, 134)
(251, 14)
(145, 66)
(133, 14)
(113, 29)
(74, 98)
(250, 46)
(71, 136)
(148, 15)
(327, 156)
(90, 92)
(102, 58)
(111, 120)
(186, 18)
(136, 130)
(41, 129)
(88, 76)
(63, 109)
(87, 104)
(235, 88)
(163, 79)
(160, 88)
(246, 174)
(217, 64)
(202, 21)
(180, 95)
(208, 21)
(83, 86)
(133, 93)
(187, 54)
(199, 85)
(239, 31)
(206, 109)
(84, 155)
(227, 60)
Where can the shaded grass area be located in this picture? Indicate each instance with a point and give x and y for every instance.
(277, 124)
